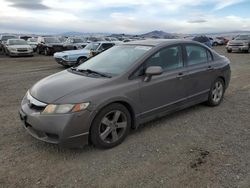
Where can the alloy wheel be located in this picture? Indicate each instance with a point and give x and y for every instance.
(113, 126)
(217, 92)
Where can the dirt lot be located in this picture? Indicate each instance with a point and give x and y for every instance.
(197, 147)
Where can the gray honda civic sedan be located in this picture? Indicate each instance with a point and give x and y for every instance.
(99, 101)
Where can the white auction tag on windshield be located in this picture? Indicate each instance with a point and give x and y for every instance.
(142, 47)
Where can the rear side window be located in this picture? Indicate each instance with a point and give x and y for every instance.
(196, 55)
(168, 58)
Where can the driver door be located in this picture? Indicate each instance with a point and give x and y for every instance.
(165, 91)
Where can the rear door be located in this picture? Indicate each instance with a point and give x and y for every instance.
(200, 70)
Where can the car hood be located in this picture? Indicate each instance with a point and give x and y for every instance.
(72, 52)
(19, 46)
(65, 83)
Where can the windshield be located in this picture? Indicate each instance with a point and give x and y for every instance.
(243, 37)
(17, 42)
(92, 46)
(116, 60)
(5, 38)
(52, 40)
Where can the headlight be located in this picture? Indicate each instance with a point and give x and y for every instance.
(12, 49)
(65, 108)
(65, 57)
(245, 44)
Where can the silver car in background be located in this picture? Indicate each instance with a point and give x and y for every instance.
(241, 43)
(18, 47)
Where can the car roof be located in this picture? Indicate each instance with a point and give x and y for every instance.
(159, 42)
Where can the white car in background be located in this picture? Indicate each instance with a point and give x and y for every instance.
(33, 43)
(18, 47)
(216, 41)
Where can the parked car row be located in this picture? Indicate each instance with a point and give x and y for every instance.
(73, 57)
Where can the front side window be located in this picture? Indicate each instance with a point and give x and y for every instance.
(196, 55)
(168, 58)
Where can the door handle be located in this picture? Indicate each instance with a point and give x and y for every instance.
(210, 68)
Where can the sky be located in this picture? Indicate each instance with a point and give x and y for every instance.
(123, 16)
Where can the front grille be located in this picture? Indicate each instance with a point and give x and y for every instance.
(36, 108)
(22, 50)
(236, 44)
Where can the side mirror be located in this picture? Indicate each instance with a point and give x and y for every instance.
(152, 71)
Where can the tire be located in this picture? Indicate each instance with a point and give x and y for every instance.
(216, 92)
(6, 52)
(38, 50)
(215, 44)
(248, 51)
(110, 126)
(81, 60)
(229, 51)
(46, 52)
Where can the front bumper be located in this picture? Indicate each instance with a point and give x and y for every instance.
(16, 54)
(67, 130)
(237, 48)
(64, 62)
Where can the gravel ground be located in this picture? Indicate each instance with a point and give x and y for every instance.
(197, 147)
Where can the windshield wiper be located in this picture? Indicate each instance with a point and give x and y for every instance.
(89, 71)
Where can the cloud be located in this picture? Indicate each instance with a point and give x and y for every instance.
(31, 5)
(126, 16)
(197, 21)
(225, 3)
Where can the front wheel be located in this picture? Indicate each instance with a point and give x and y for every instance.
(229, 51)
(216, 93)
(81, 60)
(111, 126)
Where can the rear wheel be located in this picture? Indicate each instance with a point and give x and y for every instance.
(216, 93)
(229, 51)
(111, 126)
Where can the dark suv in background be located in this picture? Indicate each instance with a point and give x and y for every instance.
(204, 40)
(49, 45)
